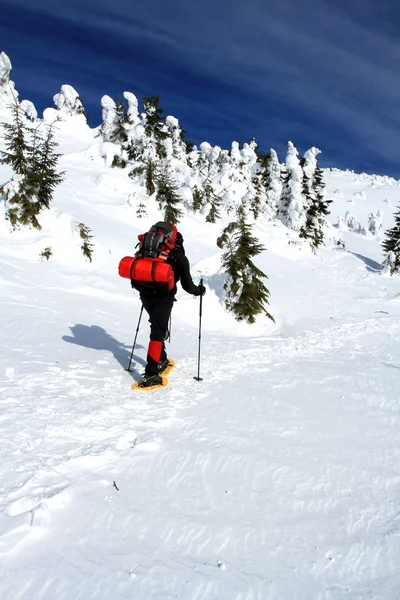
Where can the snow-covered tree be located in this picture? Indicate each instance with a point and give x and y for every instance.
(291, 210)
(68, 102)
(198, 199)
(133, 110)
(8, 93)
(211, 198)
(178, 143)
(154, 126)
(119, 134)
(168, 196)
(116, 121)
(350, 223)
(272, 182)
(316, 207)
(374, 225)
(28, 109)
(151, 176)
(257, 195)
(391, 246)
(246, 294)
(109, 117)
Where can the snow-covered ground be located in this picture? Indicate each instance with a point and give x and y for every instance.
(276, 477)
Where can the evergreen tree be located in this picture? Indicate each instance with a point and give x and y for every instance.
(45, 162)
(272, 182)
(154, 126)
(18, 149)
(177, 146)
(291, 210)
(391, 245)
(34, 160)
(198, 199)
(188, 144)
(46, 253)
(141, 211)
(247, 295)
(257, 195)
(168, 196)
(317, 208)
(118, 162)
(374, 225)
(211, 198)
(86, 237)
(151, 176)
(118, 134)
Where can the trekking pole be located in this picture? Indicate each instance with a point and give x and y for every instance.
(169, 328)
(198, 378)
(134, 343)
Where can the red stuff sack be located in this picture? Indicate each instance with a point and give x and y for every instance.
(148, 270)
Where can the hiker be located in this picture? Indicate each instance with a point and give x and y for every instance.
(164, 242)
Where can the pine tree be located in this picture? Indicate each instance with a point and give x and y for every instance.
(154, 126)
(45, 162)
(151, 176)
(272, 182)
(211, 198)
(18, 148)
(257, 195)
(118, 135)
(291, 210)
(198, 199)
(247, 295)
(118, 162)
(46, 253)
(141, 211)
(188, 144)
(168, 196)
(86, 237)
(391, 245)
(34, 161)
(317, 208)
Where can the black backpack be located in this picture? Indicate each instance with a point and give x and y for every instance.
(158, 241)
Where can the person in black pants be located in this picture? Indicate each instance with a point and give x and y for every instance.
(158, 305)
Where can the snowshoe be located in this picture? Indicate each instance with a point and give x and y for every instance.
(150, 382)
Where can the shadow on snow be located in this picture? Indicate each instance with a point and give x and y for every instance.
(391, 365)
(96, 338)
(372, 265)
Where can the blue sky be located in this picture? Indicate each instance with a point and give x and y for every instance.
(317, 72)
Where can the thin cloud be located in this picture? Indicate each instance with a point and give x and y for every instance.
(318, 61)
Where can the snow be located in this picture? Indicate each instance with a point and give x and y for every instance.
(8, 93)
(295, 203)
(310, 162)
(68, 102)
(29, 109)
(108, 115)
(274, 477)
(133, 111)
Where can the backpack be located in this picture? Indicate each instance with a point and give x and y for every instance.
(148, 269)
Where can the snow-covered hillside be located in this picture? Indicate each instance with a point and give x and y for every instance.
(274, 477)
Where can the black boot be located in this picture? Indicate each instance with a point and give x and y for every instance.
(163, 365)
(149, 380)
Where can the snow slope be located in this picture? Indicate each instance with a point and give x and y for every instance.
(276, 477)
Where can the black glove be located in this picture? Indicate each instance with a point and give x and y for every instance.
(201, 290)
